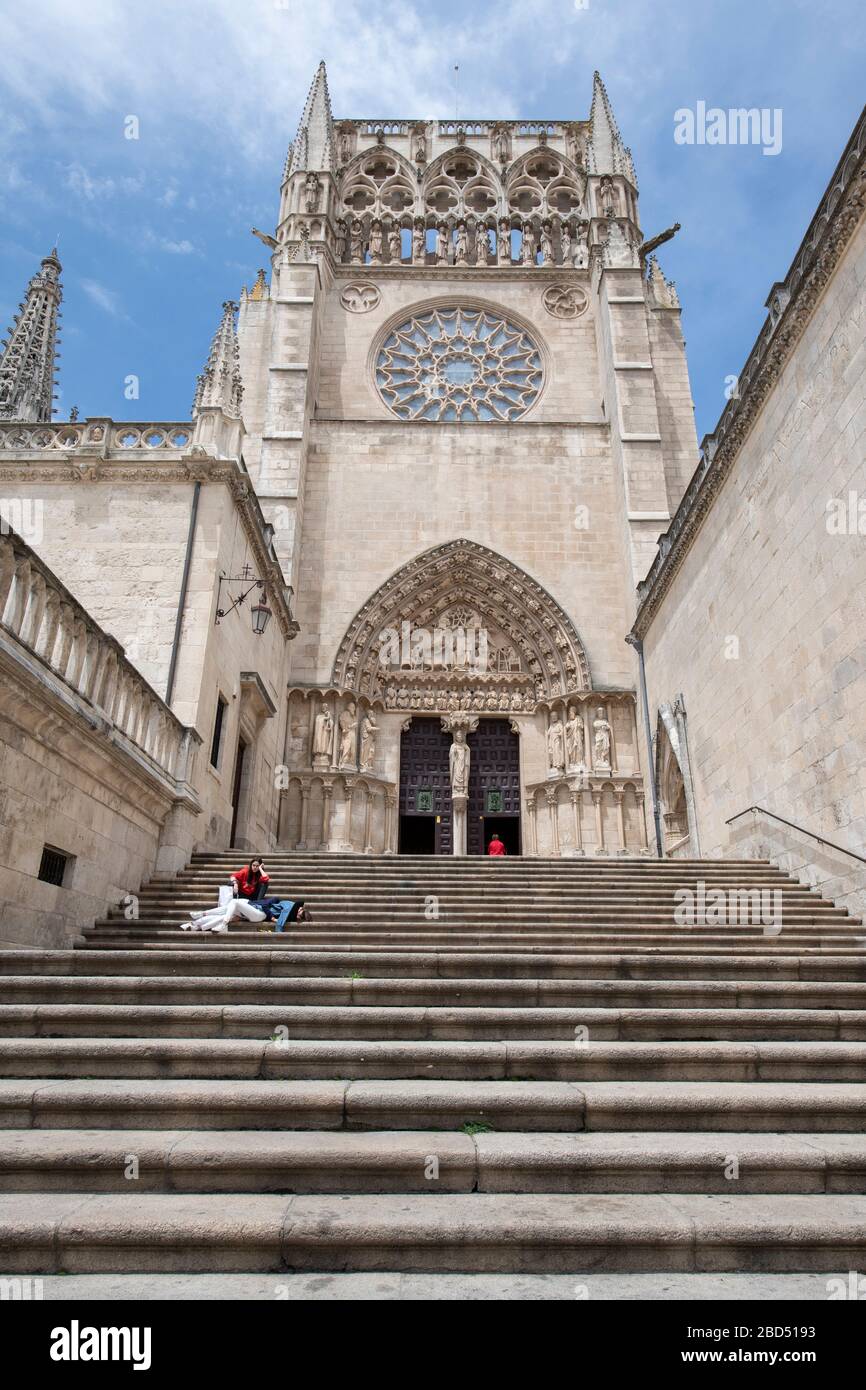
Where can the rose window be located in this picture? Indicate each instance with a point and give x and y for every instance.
(459, 366)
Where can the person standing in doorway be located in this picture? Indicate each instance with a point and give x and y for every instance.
(496, 848)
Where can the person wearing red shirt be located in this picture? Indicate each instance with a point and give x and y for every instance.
(496, 847)
(251, 881)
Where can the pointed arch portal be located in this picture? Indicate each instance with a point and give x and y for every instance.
(517, 646)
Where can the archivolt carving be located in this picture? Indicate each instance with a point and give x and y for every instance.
(549, 658)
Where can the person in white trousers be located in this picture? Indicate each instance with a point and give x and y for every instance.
(217, 919)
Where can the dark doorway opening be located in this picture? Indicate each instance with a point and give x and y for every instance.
(236, 788)
(506, 827)
(417, 834)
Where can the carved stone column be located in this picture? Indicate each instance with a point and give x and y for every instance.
(619, 794)
(574, 793)
(368, 812)
(465, 724)
(390, 803)
(327, 807)
(531, 836)
(305, 809)
(553, 813)
(599, 821)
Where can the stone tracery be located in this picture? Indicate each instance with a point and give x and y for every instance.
(459, 365)
(537, 653)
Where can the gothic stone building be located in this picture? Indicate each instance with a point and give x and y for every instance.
(438, 443)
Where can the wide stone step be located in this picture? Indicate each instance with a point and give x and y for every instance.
(272, 957)
(482, 1061)
(52, 1232)
(430, 1162)
(507, 1106)
(463, 1288)
(444, 1024)
(529, 994)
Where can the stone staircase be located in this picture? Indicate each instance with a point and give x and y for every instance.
(467, 1071)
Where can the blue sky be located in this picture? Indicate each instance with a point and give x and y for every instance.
(154, 233)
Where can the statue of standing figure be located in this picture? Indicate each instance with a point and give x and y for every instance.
(565, 243)
(482, 246)
(458, 762)
(443, 241)
(581, 255)
(503, 243)
(376, 243)
(348, 726)
(369, 729)
(527, 254)
(607, 197)
(602, 736)
(323, 729)
(419, 244)
(311, 191)
(395, 245)
(546, 244)
(461, 246)
(340, 241)
(357, 242)
(574, 739)
(556, 746)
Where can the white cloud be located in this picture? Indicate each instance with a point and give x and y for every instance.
(104, 298)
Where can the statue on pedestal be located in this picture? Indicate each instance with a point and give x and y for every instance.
(369, 729)
(323, 730)
(348, 728)
(555, 747)
(574, 739)
(602, 736)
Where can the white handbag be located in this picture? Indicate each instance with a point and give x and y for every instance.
(227, 892)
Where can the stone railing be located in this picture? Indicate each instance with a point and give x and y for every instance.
(99, 436)
(43, 616)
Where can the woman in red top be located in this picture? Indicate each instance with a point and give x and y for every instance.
(251, 881)
(496, 847)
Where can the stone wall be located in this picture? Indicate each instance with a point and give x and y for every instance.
(762, 625)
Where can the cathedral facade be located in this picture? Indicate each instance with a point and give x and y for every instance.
(468, 417)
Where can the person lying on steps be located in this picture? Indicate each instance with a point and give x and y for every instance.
(216, 919)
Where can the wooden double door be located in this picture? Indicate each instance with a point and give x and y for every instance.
(425, 788)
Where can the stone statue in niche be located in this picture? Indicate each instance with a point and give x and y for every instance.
(555, 747)
(345, 148)
(574, 739)
(395, 245)
(565, 243)
(602, 737)
(323, 730)
(581, 254)
(459, 758)
(348, 727)
(527, 254)
(420, 148)
(357, 242)
(311, 192)
(340, 241)
(369, 729)
(419, 244)
(607, 197)
(376, 243)
(503, 242)
(546, 244)
(461, 246)
(482, 246)
(501, 144)
(442, 244)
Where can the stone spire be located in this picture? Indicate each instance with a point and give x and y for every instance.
(28, 356)
(220, 383)
(606, 153)
(314, 143)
